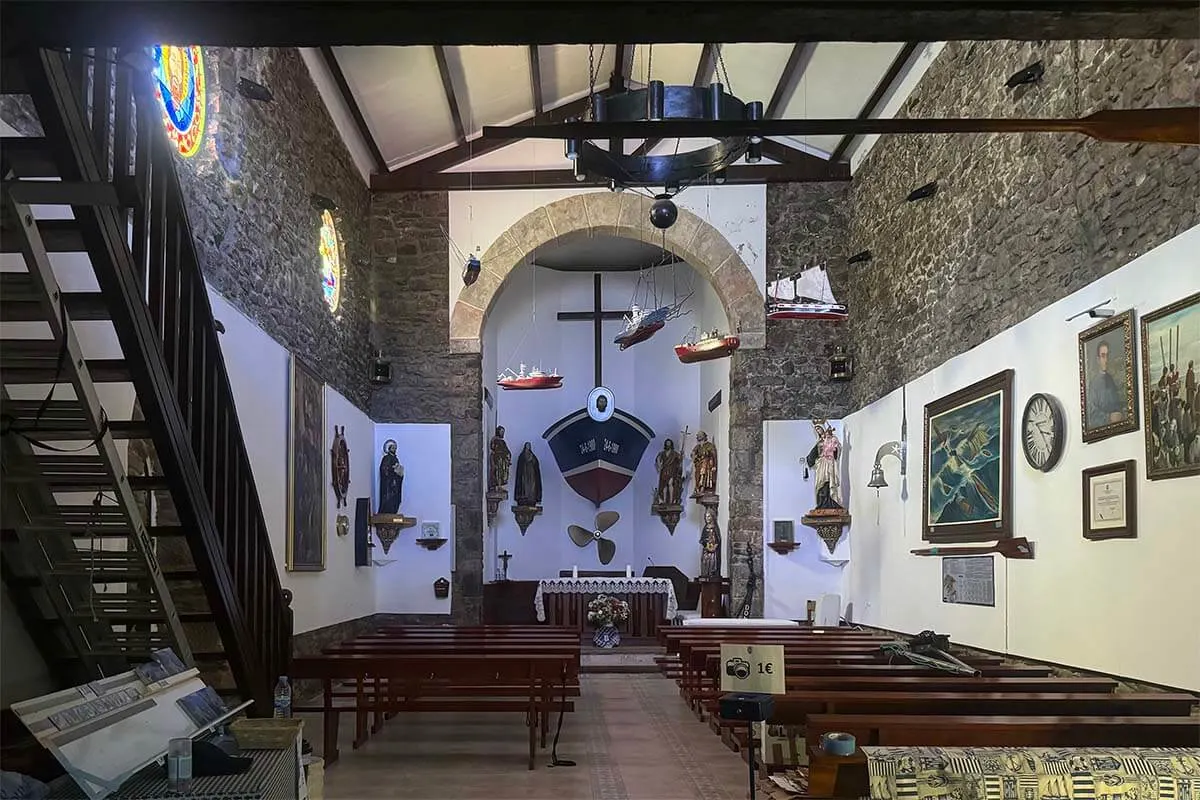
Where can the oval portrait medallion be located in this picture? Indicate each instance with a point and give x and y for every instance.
(182, 94)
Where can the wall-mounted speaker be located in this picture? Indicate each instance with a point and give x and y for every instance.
(362, 532)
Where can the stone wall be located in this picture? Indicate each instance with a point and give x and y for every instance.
(256, 228)
(429, 384)
(806, 224)
(1019, 221)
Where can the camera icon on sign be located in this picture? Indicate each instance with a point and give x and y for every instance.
(737, 668)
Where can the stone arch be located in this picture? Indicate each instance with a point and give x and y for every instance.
(624, 214)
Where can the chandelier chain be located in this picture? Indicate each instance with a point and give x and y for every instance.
(591, 81)
(724, 71)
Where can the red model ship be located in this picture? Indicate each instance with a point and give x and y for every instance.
(536, 379)
(713, 345)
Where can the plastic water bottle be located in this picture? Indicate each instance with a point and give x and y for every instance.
(283, 698)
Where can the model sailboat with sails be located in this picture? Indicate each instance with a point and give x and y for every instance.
(804, 295)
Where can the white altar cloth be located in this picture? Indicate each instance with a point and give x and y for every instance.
(605, 586)
(741, 622)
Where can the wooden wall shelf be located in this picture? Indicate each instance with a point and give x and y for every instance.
(431, 542)
(783, 548)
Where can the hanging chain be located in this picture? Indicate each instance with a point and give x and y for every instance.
(649, 63)
(723, 71)
(591, 81)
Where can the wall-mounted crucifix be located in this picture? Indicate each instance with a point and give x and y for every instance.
(596, 316)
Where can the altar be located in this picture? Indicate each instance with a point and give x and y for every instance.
(564, 601)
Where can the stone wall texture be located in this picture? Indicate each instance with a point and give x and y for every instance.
(806, 224)
(1019, 221)
(256, 228)
(430, 384)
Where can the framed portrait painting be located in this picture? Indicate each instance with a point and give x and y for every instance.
(967, 481)
(1170, 363)
(1107, 392)
(306, 471)
(1110, 501)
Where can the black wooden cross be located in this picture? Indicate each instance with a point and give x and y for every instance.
(596, 316)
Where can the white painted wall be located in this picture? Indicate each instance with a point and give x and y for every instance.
(405, 586)
(806, 573)
(258, 369)
(1125, 607)
(478, 218)
(647, 381)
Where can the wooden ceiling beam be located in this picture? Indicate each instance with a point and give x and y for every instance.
(535, 80)
(789, 79)
(882, 89)
(360, 122)
(257, 23)
(822, 172)
(460, 131)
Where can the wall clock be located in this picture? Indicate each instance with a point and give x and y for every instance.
(1043, 432)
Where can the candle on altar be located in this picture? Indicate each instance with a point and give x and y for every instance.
(628, 571)
(575, 571)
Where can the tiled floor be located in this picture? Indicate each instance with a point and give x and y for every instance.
(631, 736)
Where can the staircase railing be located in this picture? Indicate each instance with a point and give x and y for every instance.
(146, 262)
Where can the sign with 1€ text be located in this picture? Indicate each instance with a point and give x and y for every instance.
(752, 668)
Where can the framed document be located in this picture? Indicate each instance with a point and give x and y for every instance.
(1110, 501)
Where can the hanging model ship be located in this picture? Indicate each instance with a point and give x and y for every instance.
(641, 325)
(711, 345)
(805, 295)
(534, 379)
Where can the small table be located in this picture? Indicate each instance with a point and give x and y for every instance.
(651, 601)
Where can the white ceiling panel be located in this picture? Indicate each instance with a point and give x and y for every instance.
(491, 84)
(754, 69)
(839, 79)
(673, 64)
(565, 71)
(399, 91)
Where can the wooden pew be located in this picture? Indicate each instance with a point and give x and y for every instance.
(934, 730)
(536, 674)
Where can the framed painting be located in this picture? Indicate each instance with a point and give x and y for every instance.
(1107, 392)
(967, 480)
(1110, 501)
(1170, 362)
(306, 471)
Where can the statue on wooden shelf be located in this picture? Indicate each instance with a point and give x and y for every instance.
(823, 459)
(391, 479)
(669, 464)
(704, 467)
(710, 545)
(528, 489)
(499, 462)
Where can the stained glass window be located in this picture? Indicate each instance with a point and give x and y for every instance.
(182, 94)
(331, 262)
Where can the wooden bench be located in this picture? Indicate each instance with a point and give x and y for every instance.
(535, 676)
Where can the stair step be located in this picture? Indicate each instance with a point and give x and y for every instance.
(120, 617)
(65, 419)
(102, 370)
(58, 235)
(28, 157)
(21, 301)
(93, 531)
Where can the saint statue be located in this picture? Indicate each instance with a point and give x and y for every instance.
(823, 458)
(710, 545)
(528, 491)
(669, 464)
(704, 466)
(499, 461)
(391, 479)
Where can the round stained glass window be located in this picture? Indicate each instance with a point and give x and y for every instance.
(331, 262)
(182, 94)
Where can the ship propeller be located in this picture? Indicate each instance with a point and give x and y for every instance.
(583, 537)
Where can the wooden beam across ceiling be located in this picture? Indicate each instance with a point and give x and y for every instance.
(269, 23)
(460, 132)
(789, 79)
(822, 172)
(882, 90)
(360, 122)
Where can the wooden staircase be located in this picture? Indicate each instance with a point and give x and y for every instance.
(130, 518)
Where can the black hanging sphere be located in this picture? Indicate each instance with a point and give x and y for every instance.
(664, 212)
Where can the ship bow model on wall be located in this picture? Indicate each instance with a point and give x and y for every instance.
(805, 295)
(598, 459)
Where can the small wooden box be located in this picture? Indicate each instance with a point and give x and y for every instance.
(266, 734)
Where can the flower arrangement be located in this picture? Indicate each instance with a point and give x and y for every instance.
(605, 610)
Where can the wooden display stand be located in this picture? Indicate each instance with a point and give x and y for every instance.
(712, 597)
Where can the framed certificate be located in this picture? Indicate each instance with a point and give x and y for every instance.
(1110, 501)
